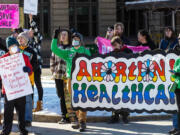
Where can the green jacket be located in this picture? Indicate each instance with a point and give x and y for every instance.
(177, 69)
(68, 54)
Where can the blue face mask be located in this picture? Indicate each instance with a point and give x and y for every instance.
(75, 43)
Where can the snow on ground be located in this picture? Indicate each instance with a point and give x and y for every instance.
(143, 1)
(51, 102)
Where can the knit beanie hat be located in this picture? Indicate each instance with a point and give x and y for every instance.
(11, 41)
(24, 35)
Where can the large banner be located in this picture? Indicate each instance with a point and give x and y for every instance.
(105, 46)
(15, 81)
(137, 82)
(9, 15)
(31, 7)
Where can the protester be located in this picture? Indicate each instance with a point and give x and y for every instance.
(176, 76)
(118, 46)
(16, 32)
(18, 104)
(175, 116)
(169, 41)
(110, 32)
(144, 39)
(35, 44)
(58, 69)
(119, 31)
(68, 56)
(23, 39)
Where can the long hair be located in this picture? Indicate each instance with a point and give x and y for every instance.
(173, 36)
(69, 36)
(146, 34)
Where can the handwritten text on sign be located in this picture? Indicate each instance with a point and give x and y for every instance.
(15, 81)
(9, 15)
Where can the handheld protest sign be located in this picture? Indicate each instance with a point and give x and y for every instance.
(105, 46)
(15, 81)
(31, 7)
(9, 15)
(137, 82)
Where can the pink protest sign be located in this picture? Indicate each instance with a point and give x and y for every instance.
(105, 46)
(9, 15)
(138, 49)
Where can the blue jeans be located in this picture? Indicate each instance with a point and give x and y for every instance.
(28, 111)
(175, 120)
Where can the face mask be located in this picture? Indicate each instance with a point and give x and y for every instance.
(110, 34)
(75, 43)
(14, 49)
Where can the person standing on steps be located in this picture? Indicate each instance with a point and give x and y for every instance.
(58, 69)
(68, 56)
(20, 103)
(35, 44)
(23, 39)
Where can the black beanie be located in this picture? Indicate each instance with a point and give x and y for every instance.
(11, 41)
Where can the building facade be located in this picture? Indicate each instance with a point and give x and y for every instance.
(92, 17)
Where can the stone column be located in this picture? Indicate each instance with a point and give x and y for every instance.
(106, 15)
(59, 14)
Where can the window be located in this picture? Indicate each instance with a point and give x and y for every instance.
(83, 16)
(42, 18)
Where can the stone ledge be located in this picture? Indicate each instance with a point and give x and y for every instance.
(94, 119)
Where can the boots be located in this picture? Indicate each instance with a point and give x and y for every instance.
(114, 119)
(39, 106)
(82, 127)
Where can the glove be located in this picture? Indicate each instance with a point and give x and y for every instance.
(26, 69)
(56, 33)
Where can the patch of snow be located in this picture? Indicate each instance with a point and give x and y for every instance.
(143, 1)
(51, 102)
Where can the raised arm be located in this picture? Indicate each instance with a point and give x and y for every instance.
(63, 54)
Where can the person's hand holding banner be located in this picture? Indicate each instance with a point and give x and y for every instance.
(26, 69)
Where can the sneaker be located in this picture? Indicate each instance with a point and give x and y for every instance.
(125, 120)
(173, 131)
(114, 119)
(75, 125)
(24, 132)
(28, 124)
(64, 121)
(177, 132)
(82, 126)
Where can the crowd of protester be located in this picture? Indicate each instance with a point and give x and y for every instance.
(65, 44)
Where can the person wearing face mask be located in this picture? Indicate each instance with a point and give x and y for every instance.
(58, 69)
(68, 56)
(119, 31)
(23, 39)
(110, 32)
(18, 104)
(169, 41)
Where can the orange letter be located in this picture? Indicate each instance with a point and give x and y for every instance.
(83, 71)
